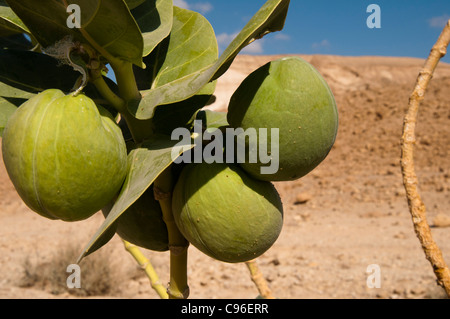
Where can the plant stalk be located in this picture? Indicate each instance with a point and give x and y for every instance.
(145, 264)
(410, 180)
(258, 279)
(113, 100)
(140, 130)
(129, 92)
(178, 285)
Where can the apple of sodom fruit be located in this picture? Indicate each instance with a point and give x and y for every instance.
(225, 213)
(66, 159)
(142, 223)
(290, 95)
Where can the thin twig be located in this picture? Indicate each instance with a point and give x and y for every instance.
(258, 278)
(148, 268)
(410, 180)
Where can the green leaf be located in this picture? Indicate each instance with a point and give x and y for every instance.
(12, 92)
(154, 18)
(7, 107)
(109, 27)
(145, 164)
(212, 120)
(24, 73)
(191, 46)
(106, 236)
(16, 41)
(175, 115)
(106, 24)
(134, 3)
(269, 18)
(10, 23)
(45, 19)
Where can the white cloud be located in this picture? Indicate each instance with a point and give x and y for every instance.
(282, 37)
(439, 22)
(181, 3)
(224, 39)
(201, 7)
(324, 44)
(256, 47)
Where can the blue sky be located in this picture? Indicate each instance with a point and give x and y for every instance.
(408, 27)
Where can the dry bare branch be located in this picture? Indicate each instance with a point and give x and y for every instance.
(410, 180)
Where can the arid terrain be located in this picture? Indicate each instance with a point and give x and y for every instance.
(349, 213)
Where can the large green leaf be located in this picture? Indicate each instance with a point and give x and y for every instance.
(175, 115)
(110, 25)
(9, 91)
(106, 24)
(7, 107)
(10, 23)
(154, 18)
(191, 46)
(24, 73)
(145, 164)
(45, 19)
(269, 18)
(16, 41)
(212, 120)
(134, 3)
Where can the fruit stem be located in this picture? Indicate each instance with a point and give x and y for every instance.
(178, 287)
(148, 268)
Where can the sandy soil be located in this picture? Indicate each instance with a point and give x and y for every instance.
(353, 212)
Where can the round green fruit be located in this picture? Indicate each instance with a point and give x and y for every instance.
(290, 97)
(66, 159)
(225, 213)
(142, 223)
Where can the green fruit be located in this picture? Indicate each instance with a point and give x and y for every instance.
(287, 94)
(142, 223)
(225, 213)
(65, 158)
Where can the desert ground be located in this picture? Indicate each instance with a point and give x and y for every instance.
(349, 213)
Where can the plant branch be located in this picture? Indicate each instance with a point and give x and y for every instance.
(178, 245)
(145, 264)
(128, 89)
(258, 279)
(114, 100)
(129, 92)
(410, 180)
